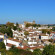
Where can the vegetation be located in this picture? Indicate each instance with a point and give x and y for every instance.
(37, 52)
(8, 24)
(19, 29)
(26, 33)
(28, 25)
(2, 48)
(14, 51)
(14, 27)
(46, 31)
(6, 30)
(53, 29)
(38, 25)
(34, 25)
(50, 40)
(17, 24)
(49, 50)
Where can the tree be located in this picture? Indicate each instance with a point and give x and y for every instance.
(14, 27)
(26, 33)
(14, 50)
(34, 25)
(39, 25)
(3, 30)
(9, 32)
(37, 52)
(2, 47)
(17, 24)
(26, 53)
(9, 53)
(28, 25)
(9, 24)
(6, 30)
(49, 50)
(53, 29)
(44, 30)
(19, 29)
(50, 40)
(48, 32)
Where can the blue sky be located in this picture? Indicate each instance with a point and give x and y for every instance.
(42, 11)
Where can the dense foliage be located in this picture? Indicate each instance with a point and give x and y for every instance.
(37, 52)
(6, 30)
(26, 33)
(28, 25)
(14, 27)
(9, 24)
(53, 28)
(46, 31)
(49, 50)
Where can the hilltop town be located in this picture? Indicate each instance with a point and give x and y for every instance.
(27, 36)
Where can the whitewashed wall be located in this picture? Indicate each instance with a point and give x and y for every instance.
(1, 36)
(44, 37)
(7, 47)
(12, 42)
(32, 42)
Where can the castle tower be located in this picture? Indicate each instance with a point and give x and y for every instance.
(33, 22)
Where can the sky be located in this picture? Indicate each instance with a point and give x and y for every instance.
(42, 11)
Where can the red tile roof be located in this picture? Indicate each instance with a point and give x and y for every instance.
(25, 47)
(8, 44)
(14, 40)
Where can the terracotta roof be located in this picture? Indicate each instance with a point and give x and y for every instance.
(31, 30)
(25, 47)
(45, 40)
(37, 47)
(8, 44)
(14, 40)
(53, 32)
(33, 35)
(43, 35)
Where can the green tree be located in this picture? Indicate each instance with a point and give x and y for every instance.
(14, 27)
(19, 29)
(9, 53)
(9, 32)
(2, 45)
(26, 33)
(49, 50)
(37, 52)
(17, 24)
(44, 31)
(28, 25)
(9, 24)
(34, 25)
(48, 32)
(53, 29)
(14, 50)
(3, 30)
(38, 25)
(6, 30)
(2, 48)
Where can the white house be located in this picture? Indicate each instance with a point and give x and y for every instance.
(44, 37)
(1, 35)
(11, 41)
